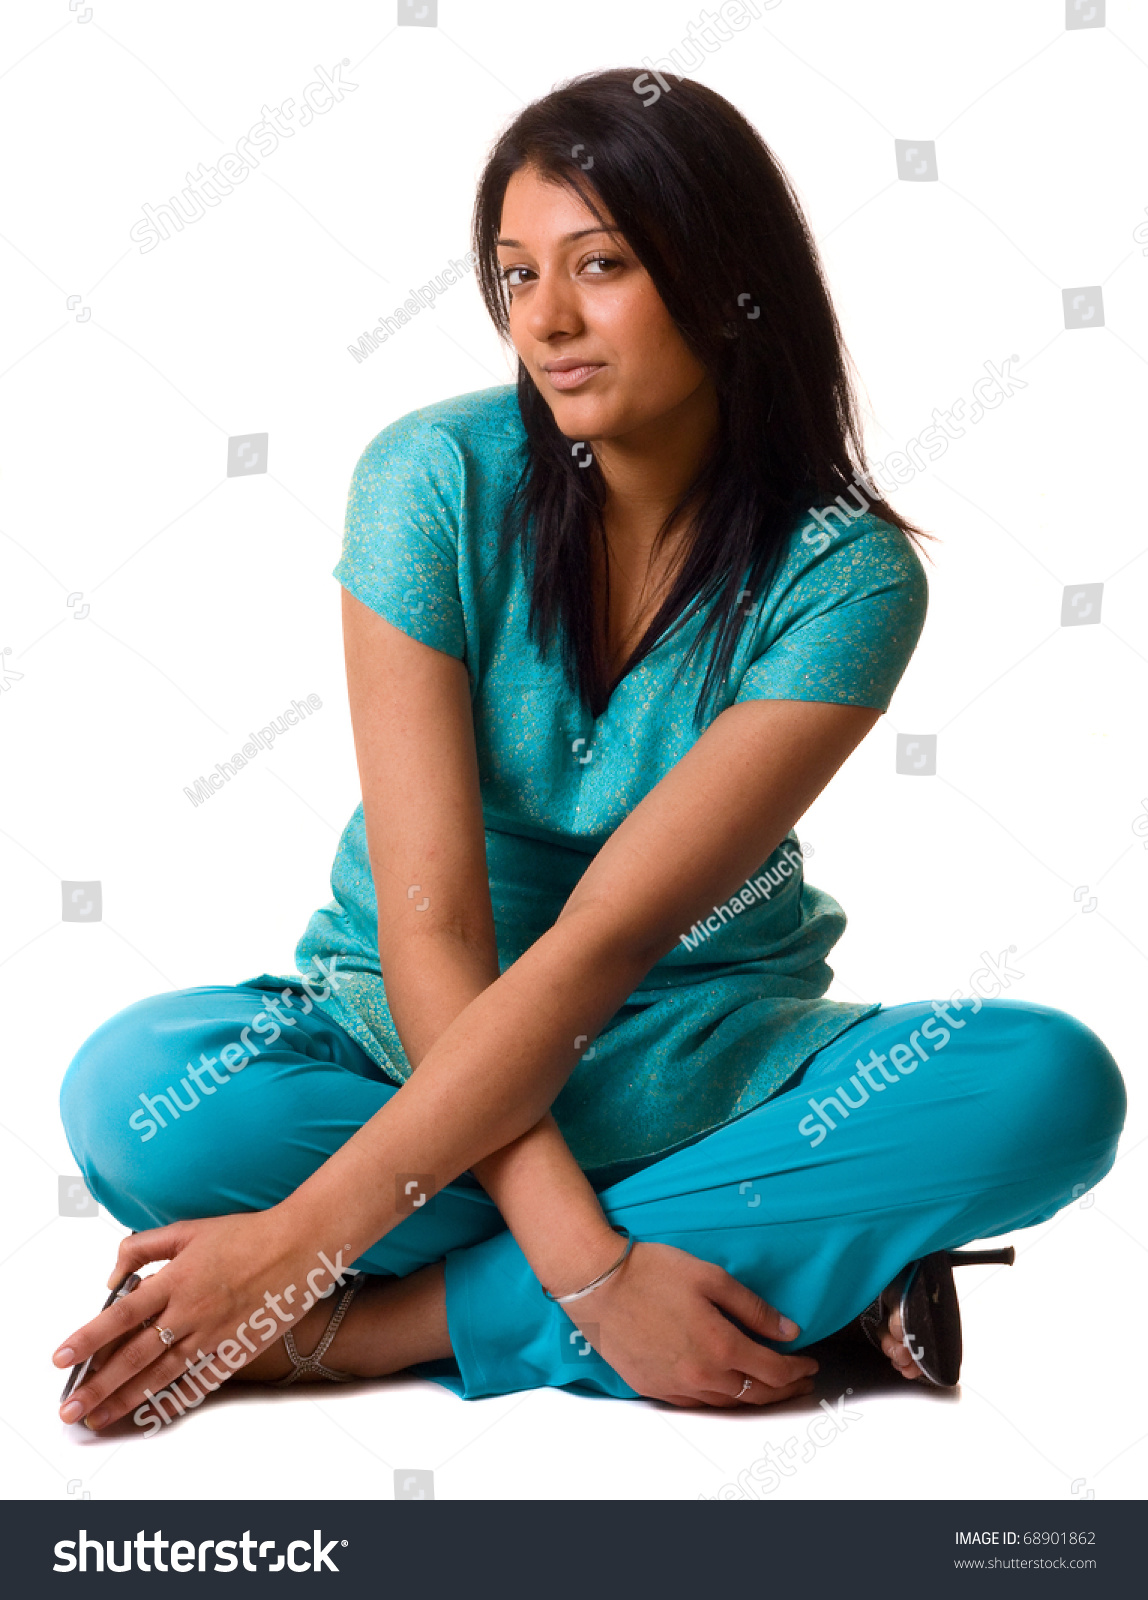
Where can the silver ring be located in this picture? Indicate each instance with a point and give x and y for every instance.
(169, 1338)
(746, 1383)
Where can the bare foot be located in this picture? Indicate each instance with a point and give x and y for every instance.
(391, 1324)
(351, 1350)
(894, 1345)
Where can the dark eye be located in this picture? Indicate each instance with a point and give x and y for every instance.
(506, 274)
(602, 261)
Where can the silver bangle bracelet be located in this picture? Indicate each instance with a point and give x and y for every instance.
(565, 1299)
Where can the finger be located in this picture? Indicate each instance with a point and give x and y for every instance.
(767, 1366)
(106, 1352)
(179, 1372)
(142, 1354)
(117, 1320)
(755, 1314)
(760, 1395)
(140, 1249)
(703, 1400)
(763, 1394)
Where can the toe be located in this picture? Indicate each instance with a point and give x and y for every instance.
(899, 1354)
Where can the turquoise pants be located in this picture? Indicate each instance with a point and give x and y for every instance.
(923, 1127)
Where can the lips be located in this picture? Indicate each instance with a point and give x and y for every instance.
(570, 375)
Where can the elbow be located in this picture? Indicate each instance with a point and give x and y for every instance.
(426, 927)
(612, 936)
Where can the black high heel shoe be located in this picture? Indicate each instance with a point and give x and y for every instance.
(926, 1296)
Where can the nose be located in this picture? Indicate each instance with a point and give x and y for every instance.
(552, 309)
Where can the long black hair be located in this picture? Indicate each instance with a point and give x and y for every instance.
(712, 217)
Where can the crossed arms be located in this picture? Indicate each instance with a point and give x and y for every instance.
(492, 1052)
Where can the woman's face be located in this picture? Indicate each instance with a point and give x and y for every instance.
(586, 319)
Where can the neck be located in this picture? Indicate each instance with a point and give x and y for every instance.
(648, 469)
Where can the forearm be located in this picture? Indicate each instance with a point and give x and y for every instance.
(430, 980)
(550, 1207)
(485, 1082)
(542, 1193)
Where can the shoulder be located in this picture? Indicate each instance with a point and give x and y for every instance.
(422, 492)
(843, 616)
(833, 560)
(464, 430)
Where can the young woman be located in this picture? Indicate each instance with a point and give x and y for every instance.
(557, 1056)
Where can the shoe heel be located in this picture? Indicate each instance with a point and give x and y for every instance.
(981, 1258)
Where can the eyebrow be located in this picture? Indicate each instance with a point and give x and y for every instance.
(516, 244)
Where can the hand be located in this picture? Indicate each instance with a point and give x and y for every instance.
(660, 1326)
(231, 1286)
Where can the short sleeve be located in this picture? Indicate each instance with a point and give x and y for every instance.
(842, 618)
(400, 538)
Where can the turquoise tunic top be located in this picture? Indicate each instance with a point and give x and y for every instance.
(735, 1009)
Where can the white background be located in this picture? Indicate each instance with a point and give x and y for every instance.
(211, 606)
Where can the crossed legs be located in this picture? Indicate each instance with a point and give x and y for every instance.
(892, 1142)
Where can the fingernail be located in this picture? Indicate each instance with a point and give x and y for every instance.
(71, 1411)
(789, 1330)
(65, 1356)
(97, 1418)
